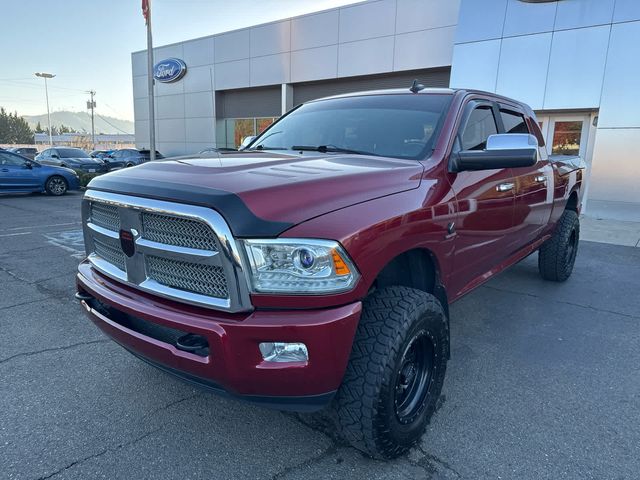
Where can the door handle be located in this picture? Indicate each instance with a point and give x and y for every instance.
(540, 178)
(4, 170)
(505, 187)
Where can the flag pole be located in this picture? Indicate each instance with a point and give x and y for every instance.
(146, 8)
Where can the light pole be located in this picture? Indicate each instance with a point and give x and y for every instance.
(91, 104)
(46, 92)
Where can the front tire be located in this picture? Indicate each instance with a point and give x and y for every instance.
(395, 373)
(558, 254)
(56, 186)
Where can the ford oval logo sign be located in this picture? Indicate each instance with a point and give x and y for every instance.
(169, 70)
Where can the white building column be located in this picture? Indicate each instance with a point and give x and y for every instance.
(287, 98)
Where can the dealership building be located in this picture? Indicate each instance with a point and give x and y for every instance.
(576, 62)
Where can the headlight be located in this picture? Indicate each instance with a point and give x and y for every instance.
(299, 266)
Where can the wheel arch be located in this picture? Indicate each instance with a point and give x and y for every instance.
(55, 174)
(573, 201)
(415, 268)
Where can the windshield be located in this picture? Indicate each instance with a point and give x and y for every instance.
(402, 126)
(72, 153)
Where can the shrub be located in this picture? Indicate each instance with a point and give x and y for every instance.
(85, 178)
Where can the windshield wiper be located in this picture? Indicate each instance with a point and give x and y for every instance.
(261, 147)
(328, 148)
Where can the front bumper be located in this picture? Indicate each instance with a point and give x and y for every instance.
(147, 325)
(114, 165)
(91, 168)
(73, 181)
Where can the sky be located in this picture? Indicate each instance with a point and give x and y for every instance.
(87, 44)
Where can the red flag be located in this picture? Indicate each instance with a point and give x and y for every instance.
(145, 11)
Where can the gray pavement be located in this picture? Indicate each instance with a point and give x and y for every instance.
(544, 381)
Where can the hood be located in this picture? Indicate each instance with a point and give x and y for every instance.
(265, 193)
(51, 169)
(83, 160)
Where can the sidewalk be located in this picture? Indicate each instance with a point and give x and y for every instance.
(617, 232)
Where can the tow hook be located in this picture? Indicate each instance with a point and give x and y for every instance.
(82, 296)
(192, 343)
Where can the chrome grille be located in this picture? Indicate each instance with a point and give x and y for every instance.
(178, 231)
(182, 252)
(193, 277)
(111, 252)
(105, 216)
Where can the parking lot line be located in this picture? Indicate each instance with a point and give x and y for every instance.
(15, 234)
(45, 226)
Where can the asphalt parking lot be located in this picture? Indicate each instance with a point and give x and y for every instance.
(544, 381)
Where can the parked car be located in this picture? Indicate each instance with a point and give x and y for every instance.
(21, 175)
(74, 158)
(105, 156)
(27, 152)
(320, 274)
(130, 157)
(101, 154)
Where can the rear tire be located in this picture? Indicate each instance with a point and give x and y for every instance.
(395, 373)
(557, 256)
(56, 186)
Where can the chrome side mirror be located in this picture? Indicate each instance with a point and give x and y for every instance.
(246, 141)
(504, 150)
(512, 141)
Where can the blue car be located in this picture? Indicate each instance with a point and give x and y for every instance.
(21, 175)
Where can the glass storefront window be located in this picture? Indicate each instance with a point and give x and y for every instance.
(263, 123)
(566, 138)
(231, 131)
(243, 127)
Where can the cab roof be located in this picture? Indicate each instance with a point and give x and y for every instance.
(424, 91)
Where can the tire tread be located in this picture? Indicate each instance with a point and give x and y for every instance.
(387, 314)
(551, 256)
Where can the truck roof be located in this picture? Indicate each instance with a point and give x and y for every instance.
(390, 91)
(424, 91)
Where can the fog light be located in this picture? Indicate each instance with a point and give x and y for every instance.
(284, 352)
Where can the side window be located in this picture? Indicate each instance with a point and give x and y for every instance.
(46, 153)
(480, 126)
(8, 159)
(513, 122)
(53, 152)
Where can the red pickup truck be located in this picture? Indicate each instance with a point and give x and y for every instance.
(315, 267)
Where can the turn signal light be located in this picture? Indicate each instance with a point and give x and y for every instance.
(339, 265)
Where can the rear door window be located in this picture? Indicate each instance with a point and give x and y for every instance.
(513, 122)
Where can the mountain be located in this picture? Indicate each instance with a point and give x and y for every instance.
(81, 121)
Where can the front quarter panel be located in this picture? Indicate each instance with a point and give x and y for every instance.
(568, 178)
(46, 172)
(373, 233)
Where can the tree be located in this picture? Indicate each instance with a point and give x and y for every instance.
(4, 126)
(14, 129)
(21, 130)
(38, 128)
(64, 129)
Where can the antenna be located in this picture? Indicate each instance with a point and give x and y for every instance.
(416, 87)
